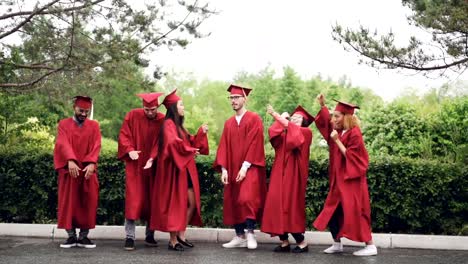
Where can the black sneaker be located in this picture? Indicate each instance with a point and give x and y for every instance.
(85, 243)
(150, 242)
(129, 244)
(71, 242)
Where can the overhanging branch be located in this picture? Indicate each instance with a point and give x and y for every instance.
(24, 13)
(13, 30)
(409, 66)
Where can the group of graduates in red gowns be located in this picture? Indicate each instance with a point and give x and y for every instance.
(162, 185)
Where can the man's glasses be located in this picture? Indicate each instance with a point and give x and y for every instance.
(234, 97)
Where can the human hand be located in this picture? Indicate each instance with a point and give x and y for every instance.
(134, 154)
(224, 177)
(89, 170)
(334, 135)
(205, 128)
(241, 175)
(321, 100)
(270, 110)
(73, 169)
(148, 164)
(285, 115)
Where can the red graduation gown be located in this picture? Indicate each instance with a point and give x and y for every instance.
(77, 197)
(138, 133)
(348, 182)
(169, 198)
(285, 202)
(239, 143)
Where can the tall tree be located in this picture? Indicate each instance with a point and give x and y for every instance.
(445, 20)
(115, 30)
(289, 92)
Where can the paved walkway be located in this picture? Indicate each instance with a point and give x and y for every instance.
(40, 250)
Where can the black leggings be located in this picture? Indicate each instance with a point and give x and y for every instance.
(299, 237)
(334, 223)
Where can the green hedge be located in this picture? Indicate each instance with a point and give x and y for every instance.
(408, 196)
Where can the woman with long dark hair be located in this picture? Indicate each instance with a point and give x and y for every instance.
(175, 199)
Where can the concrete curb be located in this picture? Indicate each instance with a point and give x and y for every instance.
(223, 235)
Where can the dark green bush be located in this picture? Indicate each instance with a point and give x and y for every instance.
(408, 196)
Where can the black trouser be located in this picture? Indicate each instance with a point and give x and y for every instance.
(249, 224)
(334, 223)
(299, 237)
(83, 233)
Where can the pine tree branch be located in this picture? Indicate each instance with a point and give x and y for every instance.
(45, 75)
(32, 14)
(169, 32)
(23, 13)
(408, 65)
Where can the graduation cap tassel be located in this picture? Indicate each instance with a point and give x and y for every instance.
(91, 112)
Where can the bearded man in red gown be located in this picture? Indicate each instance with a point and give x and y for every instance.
(137, 141)
(76, 153)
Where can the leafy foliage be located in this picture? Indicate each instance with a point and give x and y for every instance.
(446, 21)
(74, 38)
(409, 196)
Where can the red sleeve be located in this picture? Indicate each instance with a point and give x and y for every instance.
(255, 153)
(322, 121)
(357, 159)
(221, 153)
(294, 137)
(93, 154)
(200, 141)
(275, 133)
(154, 149)
(63, 151)
(125, 138)
(305, 151)
(175, 148)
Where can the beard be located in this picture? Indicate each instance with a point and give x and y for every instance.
(80, 118)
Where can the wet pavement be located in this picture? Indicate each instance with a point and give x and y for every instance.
(45, 251)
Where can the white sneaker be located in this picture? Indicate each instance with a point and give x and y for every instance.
(369, 250)
(251, 241)
(336, 247)
(236, 242)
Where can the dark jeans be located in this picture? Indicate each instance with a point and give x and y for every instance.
(249, 224)
(83, 233)
(334, 224)
(297, 236)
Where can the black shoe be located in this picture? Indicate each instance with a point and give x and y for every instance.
(150, 242)
(176, 247)
(298, 249)
(185, 243)
(71, 242)
(282, 249)
(85, 243)
(129, 244)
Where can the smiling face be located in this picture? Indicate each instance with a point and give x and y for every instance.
(338, 120)
(297, 119)
(81, 113)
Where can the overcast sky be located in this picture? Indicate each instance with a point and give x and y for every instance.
(249, 35)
